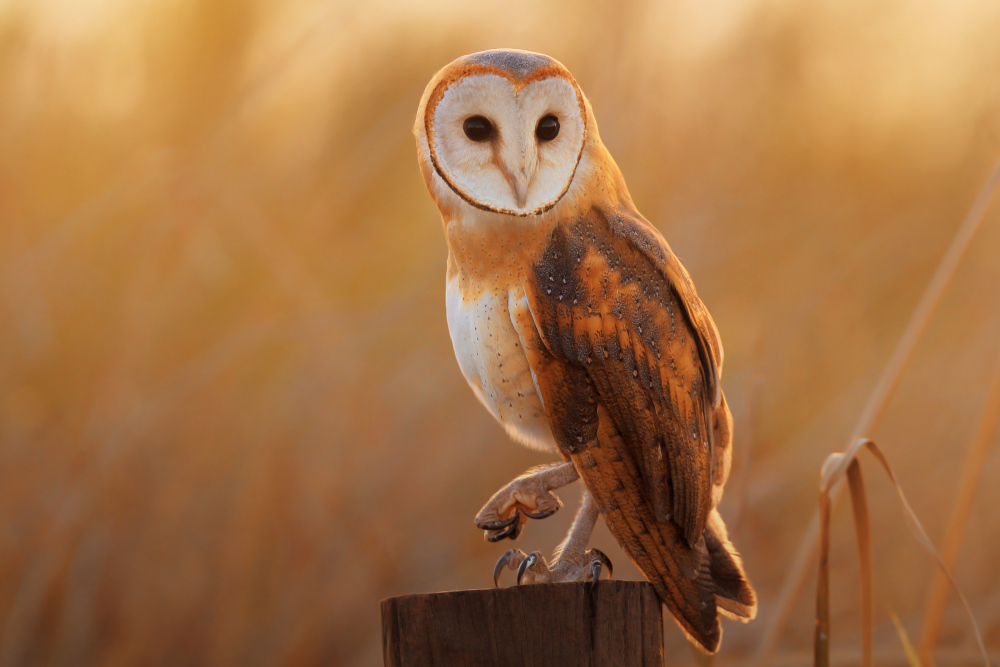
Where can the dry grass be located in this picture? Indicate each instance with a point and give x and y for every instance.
(839, 465)
(937, 598)
(230, 417)
(834, 471)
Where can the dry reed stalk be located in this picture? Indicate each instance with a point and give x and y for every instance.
(937, 596)
(876, 405)
(821, 639)
(834, 469)
(859, 504)
(904, 639)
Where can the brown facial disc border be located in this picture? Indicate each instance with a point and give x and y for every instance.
(549, 72)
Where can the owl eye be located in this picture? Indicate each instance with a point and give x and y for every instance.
(548, 128)
(478, 128)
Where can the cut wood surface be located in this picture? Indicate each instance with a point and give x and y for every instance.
(541, 625)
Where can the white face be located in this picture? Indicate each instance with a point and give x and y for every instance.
(506, 150)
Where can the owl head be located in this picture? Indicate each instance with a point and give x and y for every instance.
(504, 130)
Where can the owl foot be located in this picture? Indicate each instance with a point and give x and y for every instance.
(534, 569)
(528, 496)
(573, 560)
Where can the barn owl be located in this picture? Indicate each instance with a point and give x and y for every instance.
(581, 333)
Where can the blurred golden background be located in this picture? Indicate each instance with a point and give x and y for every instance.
(230, 416)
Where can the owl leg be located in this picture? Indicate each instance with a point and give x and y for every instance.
(528, 496)
(572, 560)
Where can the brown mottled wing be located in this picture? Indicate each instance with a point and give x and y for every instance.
(645, 238)
(627, 360)
(610, 299)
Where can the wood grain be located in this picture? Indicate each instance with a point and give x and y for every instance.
(620, 623)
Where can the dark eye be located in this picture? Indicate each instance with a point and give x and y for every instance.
(478, 128)
(548, 128)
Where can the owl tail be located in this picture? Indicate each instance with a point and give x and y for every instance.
(734, 596)
(696, 584)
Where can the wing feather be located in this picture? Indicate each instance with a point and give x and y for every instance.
(610, 297)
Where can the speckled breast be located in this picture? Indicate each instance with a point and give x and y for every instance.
(490, 354)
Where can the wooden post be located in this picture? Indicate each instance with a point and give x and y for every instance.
(619, 623)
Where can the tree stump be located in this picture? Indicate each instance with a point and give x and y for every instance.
(619, 623)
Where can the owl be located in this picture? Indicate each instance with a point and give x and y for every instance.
(579, 330)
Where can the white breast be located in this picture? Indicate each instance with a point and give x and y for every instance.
(492, 360)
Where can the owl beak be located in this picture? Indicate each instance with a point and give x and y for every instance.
(519, 180)
(520, 191)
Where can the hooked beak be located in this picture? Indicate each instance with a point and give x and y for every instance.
(520, 191)
(519, 180)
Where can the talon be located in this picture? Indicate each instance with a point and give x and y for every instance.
(544, 514)
(601, 559)
(503, 523)
(525, 564)
(595, 575)
(510, 531)
(501, 564)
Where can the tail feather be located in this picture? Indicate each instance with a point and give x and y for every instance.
(680, 575)
(734, 595)
(695, 583)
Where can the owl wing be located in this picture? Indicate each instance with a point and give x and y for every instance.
(609, 298)
(627, 361)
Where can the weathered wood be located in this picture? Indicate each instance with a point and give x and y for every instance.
(620, 623)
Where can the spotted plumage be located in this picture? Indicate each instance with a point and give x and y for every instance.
(580, 331)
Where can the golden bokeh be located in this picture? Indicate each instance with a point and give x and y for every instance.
(230, 416)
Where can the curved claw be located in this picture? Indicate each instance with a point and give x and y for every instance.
(510, 531)
(503, 523)
(525, 564)
(603, 559)
(544, 514)
(595, 575)
(498, 568)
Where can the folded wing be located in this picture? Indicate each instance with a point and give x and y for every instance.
(628, 364)
(609, 297)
